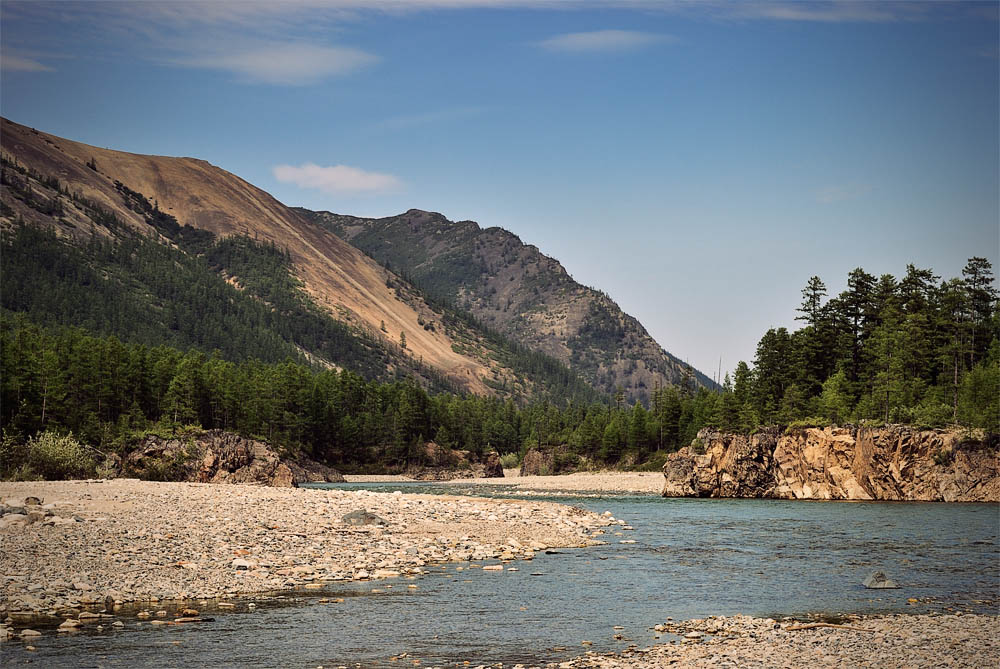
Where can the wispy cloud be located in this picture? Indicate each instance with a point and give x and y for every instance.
(289, 64)
(838, 11)
(337, 179)
(11, 62)
(602, 40)
(841, 193)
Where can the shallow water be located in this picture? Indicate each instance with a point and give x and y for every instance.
(692, 558)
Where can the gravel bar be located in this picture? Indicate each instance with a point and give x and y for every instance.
(877, 642)
(138, 541)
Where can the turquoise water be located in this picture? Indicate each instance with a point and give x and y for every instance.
(692, 558)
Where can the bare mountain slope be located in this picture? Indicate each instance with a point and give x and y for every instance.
(337, 275)
(519, 291)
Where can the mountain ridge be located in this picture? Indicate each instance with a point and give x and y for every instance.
(156, 196)
(520, 291)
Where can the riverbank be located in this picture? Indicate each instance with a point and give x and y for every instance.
(886, 642)
(605, 481)
(140, 541)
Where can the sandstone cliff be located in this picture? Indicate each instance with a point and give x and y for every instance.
(886, 463)
(215, 456)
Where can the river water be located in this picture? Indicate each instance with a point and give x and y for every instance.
(692, 558)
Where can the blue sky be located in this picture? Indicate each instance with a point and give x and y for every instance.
(697, 161)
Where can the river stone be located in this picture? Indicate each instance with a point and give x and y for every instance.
(362, 517)
(879, 581)
(12, 519)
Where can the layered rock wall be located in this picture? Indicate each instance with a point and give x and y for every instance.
(886, 463)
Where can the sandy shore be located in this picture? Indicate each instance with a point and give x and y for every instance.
(886, 642)
(141, 541)
(606, 481)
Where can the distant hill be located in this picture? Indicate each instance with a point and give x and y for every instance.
(514, 288)
(177, 251)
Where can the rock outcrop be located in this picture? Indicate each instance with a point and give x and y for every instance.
(537, 463)
(215, 456)
(444, 464)
(887, 463)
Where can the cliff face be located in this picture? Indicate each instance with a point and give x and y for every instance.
(886, 463)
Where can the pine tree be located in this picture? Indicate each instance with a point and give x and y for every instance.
(978, 275)
(812, 302)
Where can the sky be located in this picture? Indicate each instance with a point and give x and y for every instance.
(697, 161)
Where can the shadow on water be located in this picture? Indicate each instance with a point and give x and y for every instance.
(692, 558)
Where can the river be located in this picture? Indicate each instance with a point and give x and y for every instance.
(691, 558)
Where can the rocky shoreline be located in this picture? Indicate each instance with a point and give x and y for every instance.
(81, 544)
(883, 642)
(591, 482)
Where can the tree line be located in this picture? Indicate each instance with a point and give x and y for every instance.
(107, 392)
(913, 350)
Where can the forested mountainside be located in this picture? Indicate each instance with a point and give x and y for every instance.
(514, 288)
(175, 251)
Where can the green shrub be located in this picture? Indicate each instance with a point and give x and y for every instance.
(565, 462)
(806, 423)
(510, 460)
(944, 457)
(46, 455)
(698, 447)
(165, 469)
(930, 414)
(654, 463)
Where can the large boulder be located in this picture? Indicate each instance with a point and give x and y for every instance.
(492, 469)
(537, 463)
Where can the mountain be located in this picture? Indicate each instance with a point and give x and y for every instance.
(516, 289)
(188, 254)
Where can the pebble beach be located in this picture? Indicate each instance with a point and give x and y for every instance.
(884, 642)
(136, 541)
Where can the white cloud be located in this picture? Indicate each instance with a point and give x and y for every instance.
(337, 179)
(601, 40)
(290, 64)
(12, 63)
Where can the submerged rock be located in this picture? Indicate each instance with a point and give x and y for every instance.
(879, 581)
